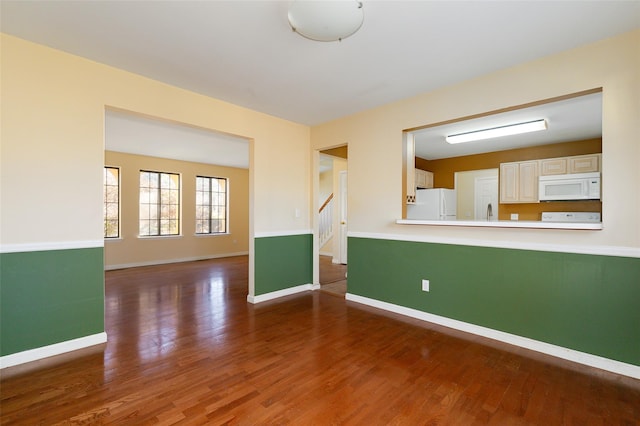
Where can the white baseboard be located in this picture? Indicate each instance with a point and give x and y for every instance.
(524, 342)
(326, 253)
(164, 262)
(280, 293)
(52, 350)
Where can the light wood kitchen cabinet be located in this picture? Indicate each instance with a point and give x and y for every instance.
(553, 166)
(423, 179)
(575, 164)
(528, 184)
(519, 182)
(584, 163)
(509, 174)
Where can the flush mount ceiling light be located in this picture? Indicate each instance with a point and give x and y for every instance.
(329, 20)
(496, 132)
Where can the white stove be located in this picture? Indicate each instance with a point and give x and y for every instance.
(579, 217)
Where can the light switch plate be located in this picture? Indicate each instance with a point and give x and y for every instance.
(425, 285)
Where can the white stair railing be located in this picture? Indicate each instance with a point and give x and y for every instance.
(326, 221)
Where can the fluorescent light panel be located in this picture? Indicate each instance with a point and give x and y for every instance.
(496, 132)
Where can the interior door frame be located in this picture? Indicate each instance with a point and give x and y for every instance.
(344, 222)
(315, 219)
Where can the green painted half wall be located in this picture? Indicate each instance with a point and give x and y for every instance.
(583, 302)
(49, 297)
(282, 262)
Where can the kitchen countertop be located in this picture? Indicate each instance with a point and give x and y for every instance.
(596, 226)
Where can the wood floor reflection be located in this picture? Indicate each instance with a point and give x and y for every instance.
(184, 347)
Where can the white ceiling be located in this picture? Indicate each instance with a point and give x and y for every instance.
(125, 132)
(245, 53)
(579, 118)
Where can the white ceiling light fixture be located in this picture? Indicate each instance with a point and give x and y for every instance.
(496, 132)
(329, 20)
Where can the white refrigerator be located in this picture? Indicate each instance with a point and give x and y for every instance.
(433, 204)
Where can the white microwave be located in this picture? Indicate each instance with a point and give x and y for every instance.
(578, 186)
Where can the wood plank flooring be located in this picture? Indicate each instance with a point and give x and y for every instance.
(331, 272)
(333, 278)
(186, 348)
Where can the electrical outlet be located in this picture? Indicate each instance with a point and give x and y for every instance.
(514, 216)
(425, 285)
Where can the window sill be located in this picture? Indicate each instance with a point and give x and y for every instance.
(219, 234)
(505, 224)
(158, 237)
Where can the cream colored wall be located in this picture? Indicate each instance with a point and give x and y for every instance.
(53, 108)
(52, 146)
(130, 250)
(375, 142)
(326, 186)
(52, 150)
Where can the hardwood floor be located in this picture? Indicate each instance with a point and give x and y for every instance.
(333, 278)
(186, 348)
(331, 272)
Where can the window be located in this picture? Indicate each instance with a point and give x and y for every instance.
(211, 205)
(159, 203)
(111, 198)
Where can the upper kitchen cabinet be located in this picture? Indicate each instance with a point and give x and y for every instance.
(576, 164)
(424, 179)
(584, 163)
(553, 166)
(519, 182)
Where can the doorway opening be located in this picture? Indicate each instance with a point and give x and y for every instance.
(332, 220)
(211, 200)
(477, 195)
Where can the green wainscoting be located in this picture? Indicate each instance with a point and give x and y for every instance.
(583, 302)
(49, 297)
(282, 262)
